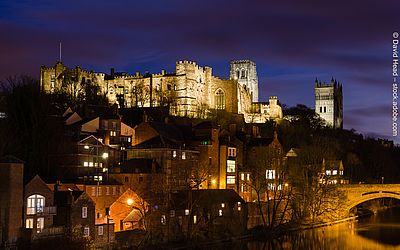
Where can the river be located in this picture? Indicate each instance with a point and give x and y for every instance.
(379, 231)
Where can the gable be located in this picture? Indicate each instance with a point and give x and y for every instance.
(37, 186)
(144, 132)
(73, 119)
(91, 126)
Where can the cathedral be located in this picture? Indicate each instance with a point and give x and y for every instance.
(190, 91)
(329, 102)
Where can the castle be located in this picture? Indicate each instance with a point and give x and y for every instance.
(329, 102)
(191, 91)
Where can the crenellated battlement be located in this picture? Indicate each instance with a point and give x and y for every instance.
(333, 83)
(45, 68)
(243, 62)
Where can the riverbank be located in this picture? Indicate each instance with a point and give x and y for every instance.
(255, 234)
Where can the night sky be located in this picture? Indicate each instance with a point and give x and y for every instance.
(292, 44)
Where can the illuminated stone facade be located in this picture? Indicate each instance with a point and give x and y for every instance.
(191, 91)
(329, 102)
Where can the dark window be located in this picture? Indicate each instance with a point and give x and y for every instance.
(126, 179)
(140, 179)
(219, 99)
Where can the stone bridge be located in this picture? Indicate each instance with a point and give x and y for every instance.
(359, 193)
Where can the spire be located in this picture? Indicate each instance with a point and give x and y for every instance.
(60, 59)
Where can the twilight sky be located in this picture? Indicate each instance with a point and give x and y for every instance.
(292, 43)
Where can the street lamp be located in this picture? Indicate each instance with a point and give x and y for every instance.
(105, 157)
(129, 201)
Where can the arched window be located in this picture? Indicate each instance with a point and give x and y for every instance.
(238, 74)
(219, 99)
(35, 204)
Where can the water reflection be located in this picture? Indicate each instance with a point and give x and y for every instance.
(381, 231)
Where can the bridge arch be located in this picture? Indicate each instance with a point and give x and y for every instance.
(367, 196)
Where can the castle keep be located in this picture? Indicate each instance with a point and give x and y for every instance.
(191, 91)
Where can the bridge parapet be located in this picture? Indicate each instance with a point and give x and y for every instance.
(359, 193)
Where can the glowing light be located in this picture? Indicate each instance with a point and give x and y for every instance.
(86, 147)
(105, 155)
(213, 181)
(129, 201)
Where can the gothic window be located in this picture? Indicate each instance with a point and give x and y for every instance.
(238, 74)
(320, 109)
(243, 74)
(219, 99)
(324, 109)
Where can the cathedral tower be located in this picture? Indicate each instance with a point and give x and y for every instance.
(329, 102)
(245, 72)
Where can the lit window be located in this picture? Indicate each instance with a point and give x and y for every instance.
(98, 191)
(183, 155)
(114, 190)
(341, 172)
(242, 176)
(84, 212)
(230, 179)
(222, 205)
(129, 139)
(220, 212)
(86, 164)
(328, 172)
(86, 231)
(86, 147)
(90, 164)
(107, 190)
(40, 224)
(172, 213)
(29, 223)
(242, 188)
(93, 191)
(270, 174)
(174, 153)
(186, 211)
(248, 177)
(35, 204)
(163, 219)
(271, 186)
(334, 172)
(230, 166)
(194, 219)
(232, 152)
(101, 230)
